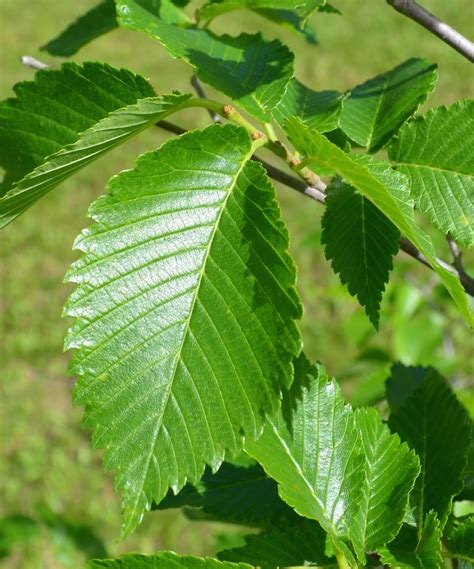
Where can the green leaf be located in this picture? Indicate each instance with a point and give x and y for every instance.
(356, 171)
(435, 151)
(253, 72)
(185, 312)
(437, 427)
(402, 382)
(360, 242)
(317, 109)
(461, 540)
(375, 110)
(241, 495)
(391, 469)
(102, 19)
(321, 480)
(290, 21)
(164, 560)
(96, 22)
(299, 545)
(52, 143)
(302, 8)
(409, 551)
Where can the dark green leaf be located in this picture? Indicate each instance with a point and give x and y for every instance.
(461, 540)
(402, 382)
(317, 109)
(412, 551)
(302, 8)
(185, 313)
(357, 171)
(298, 545)
(93, 24)
(290, 21)
(242, 495)
(164, 560)
(251, 71)
(437, 427)
(360, 242)
(435, 151)
(375, 110)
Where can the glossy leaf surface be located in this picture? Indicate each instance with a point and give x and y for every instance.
(185, 309)
(164, 560)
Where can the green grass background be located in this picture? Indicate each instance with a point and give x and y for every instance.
(48, 470)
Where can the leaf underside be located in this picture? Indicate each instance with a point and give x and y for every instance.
(435, 152)
(251, 71)
(185, 313)
(375, 110)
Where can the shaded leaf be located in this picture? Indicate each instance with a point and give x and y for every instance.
(403, 381)
(242, 495)
(164, 560)
(185, 313)
(298, 545)
(251, 71)
(412, 551)
(375, 110)
(356, 171)
(360, 242)
(437, 427)
(317, 109)
(435, 152)
(290, 21)
(461, 540)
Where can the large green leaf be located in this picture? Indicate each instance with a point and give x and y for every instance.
(391, 469)
(415, 551)
(302, 8)
(164, 560)
(360, 242)
(299, 545)
(435, 151)
(235, 494)
(356, 170)
(375, 110)
(317, 109)
(438, 428)
(402, 382)
(461, 540)
(251, 71)
(96, 22)
(76, 125)
(321, 480)
(185, 312)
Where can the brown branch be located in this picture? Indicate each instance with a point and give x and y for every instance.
(317, 194)
(449, 35)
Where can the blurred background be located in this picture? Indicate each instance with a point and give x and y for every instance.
(57, 506)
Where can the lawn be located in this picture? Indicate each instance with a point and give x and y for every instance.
(48, 470)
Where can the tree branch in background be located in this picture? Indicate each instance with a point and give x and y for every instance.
(200, 91)
(317, 195)
(449, 35)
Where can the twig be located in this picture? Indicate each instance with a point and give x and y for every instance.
(200, 91)
(33, 62)
(449, 35)
(317, 195)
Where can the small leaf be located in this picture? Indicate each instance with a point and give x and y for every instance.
(251, 71)
(290, 21)
(301, 544)
(409, 551)
(435, 152)
(319, 151)
(437, 427)
(375, 110)
(317, 109)
(461, 540)
(185, 313)
(96, 22)
(360, 242)
(320, 479)
(241, 495)
(164, 560)
(390, 473)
